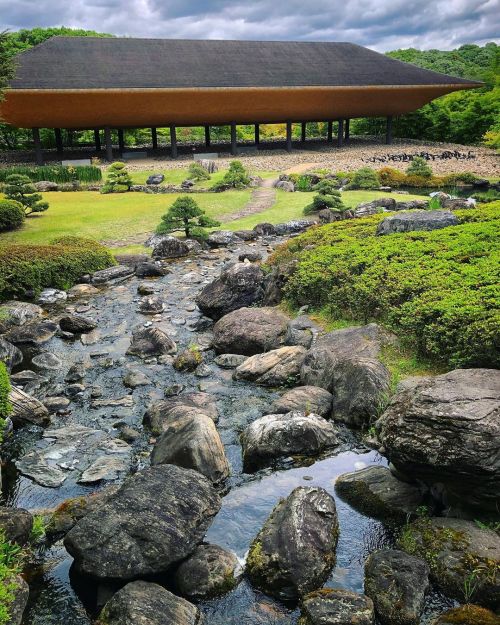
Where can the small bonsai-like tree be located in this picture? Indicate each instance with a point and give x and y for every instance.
(118, 180)
(20, 189)
(11, 215)
(197, 172)
(419, 167)
(236, 177)
(327, 197)
(186, 216)
(365, 178)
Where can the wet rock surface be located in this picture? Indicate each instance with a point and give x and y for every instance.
(337, 606)
(16, 524)
(306, 399)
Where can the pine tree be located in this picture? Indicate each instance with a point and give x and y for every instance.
(118, 180)
(327, 197)
(185, 215)
(20, 189)
(419, 167)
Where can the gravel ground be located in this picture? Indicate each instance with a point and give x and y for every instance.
(357, 153)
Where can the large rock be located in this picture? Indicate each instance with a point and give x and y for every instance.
(16, 524)
(304, 399)
(375, 206)
(112, 274)
(159, 414)
(150, 269)
(10, 354)
(17, 607)
(34, 333)
(156, 519)
(222, 238)
(277, 435)
(330, 349)
(468, 615)
(151, 305)
(210, 571)
(293, 226)
(336, 606)
(250, 331)
(445, 431)
(416, 220)
(27, 409)
(463, 558)
(76, 324)
(170, 247)
(145, 603)
(275, 368)
(375, 491)
(359, 386)
(411, 205)
(264, 229)
(294, 552)
(151, 342)
(240, 285)
(397, 583)
(192, 442)
(13, 313)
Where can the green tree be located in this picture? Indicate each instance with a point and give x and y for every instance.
(11, 215)
(118, 180)
(364, 178)
(186, 216)
(327, 197)
(20, 189)
(236, 176)
(419, 167)
(7, 65)
(197, 172)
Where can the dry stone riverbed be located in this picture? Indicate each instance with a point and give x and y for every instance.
(100, 434)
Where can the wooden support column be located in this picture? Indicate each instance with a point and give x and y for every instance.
(234, 147)
(38, 146)
(173, 142)
(257, 134)
(109, 145)
(340, 133)
(58, 137)
(303, 132)
(97, 139)
(329, 137)
(154, 138)
(207, 136)
(346, 133)
(289, 136)
(388, 130)
(121, 140)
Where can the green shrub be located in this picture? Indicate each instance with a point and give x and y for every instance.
(364, 178)
(440, 290)
(328, 197)
(390, 177)
(20, 189)
(303, 183)
(55, 173)
(186, 216)
(27, 269)
(11, 215)
(419, 167)
(236, 177)
(5, 406)
(487, 196)
(11, 558)
(197, 172)
(118, 179)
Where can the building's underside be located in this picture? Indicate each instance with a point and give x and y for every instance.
(118, 83)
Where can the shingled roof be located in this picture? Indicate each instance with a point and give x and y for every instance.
(123, 63)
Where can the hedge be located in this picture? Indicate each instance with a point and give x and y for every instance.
(55, 173)
(440, 290)
(27, 269)
(11, 215)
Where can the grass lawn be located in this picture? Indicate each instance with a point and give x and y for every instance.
(177, 176)
(112, 216)
(290, 206)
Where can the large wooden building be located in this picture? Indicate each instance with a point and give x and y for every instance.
(118, 83)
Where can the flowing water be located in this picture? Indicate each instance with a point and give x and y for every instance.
(58, 595)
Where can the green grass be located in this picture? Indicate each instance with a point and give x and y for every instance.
(114, 216)
(290, 206)
(177, 176)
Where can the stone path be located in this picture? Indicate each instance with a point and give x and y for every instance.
(262, 198)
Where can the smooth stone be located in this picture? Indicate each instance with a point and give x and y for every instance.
(229, 361)
(104, 468)
(35, 333)
(305, 399)
(56, 404)
(277, 367)
(52, 296)
(76, 324)
(47, 360)
(16, 524)
(10, 354)
(134, 378)
(112, 274)
(151, 342)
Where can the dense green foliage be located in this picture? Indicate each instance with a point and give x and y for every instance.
(54, 173)
(7, 65)
(11, 557)
(118, 179)
(27, 269)
(186, 216)
(19, 189)
(439, 290)
(236, 177)
(419, 167)
(11, 215)
(5, 406)
(364, 178)
(327, 197)
(197, 172)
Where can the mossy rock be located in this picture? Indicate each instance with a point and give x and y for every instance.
(468, 615)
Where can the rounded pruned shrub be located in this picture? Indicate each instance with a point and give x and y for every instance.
(365, 178)
(118, 180)
(197, 172)
(419, 167)
(11, 215)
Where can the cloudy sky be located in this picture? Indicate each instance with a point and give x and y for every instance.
(379, 24)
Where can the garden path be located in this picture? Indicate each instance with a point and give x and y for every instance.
(262, 198)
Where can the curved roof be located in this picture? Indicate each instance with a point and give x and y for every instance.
(81, 63)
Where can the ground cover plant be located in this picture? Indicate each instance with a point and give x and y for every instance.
(186, 216)
(439, 290)
(11, 215)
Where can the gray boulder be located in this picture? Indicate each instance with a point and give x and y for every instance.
(240, 285)
(17, 607)
(131, 535)
(454, 204)
(76, 324)
(416, 220)
(192, 442)
(229, 361)
(14, 313)
(336, 606)
(293, 226)
(264, 229)
(150, 269)
(396, 583)
(16, 524)
(294, 552)
(222, 238)
(412, 205)
(159, 414)
(279, 435)
(47, 361)
(252, 256)
(445, 431)
(327, 216)
(169, 247)
(375, 206)
(27, 409)
(134, 378)
(35, 333)
(375, 491)
(463, 558)
(278, 367)
(112, 274)
(304, 399)
(246, 235)
(285, 185)
(250, 331)
(151, 342)
(10, 354)
(209, 572)
(151, 305)
(52, 296)
(145, 603)
(155, 179)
